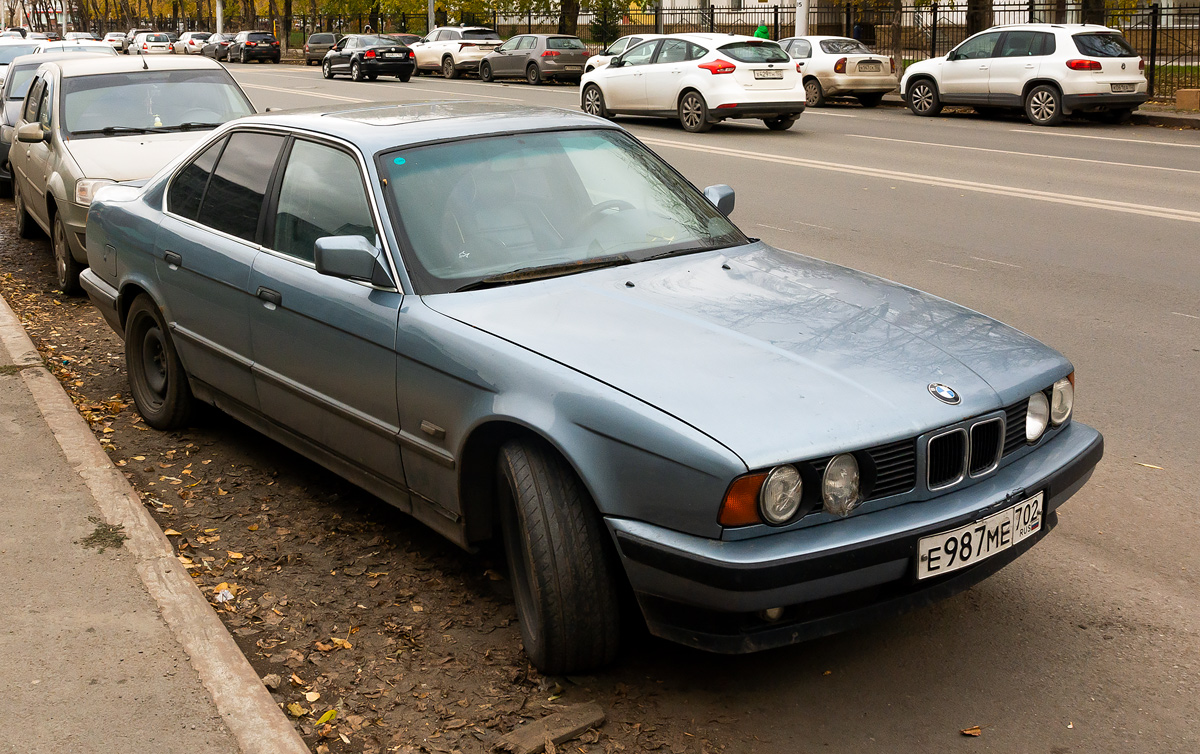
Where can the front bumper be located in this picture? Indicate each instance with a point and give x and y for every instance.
(755, 110)
(1085, 102)
(830, 577)
(75, 218)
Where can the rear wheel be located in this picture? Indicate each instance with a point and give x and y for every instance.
(1043, 106)
(448, 69)
(156, 377)
(26, 227)
(563, 573)
(372, 76)
(870, 100)
(65, 266)
(326, 69)
(356, 71)
(485, 71)
(814, 93)
(782, 123)
(405, 77)
(533, 74)
(693, 113)
(593, 101)
(923, 98)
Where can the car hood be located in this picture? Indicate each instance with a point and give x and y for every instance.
(128, 158)
(777, 356)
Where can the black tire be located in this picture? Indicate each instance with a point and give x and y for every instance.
(65, 267)
(1043, 105)
(781, 123)
(356, 73)
(241, 57)
(485, 72)
(871, 99)
(6, 187)
(448, 69)
(404, 77)
(593, 102)
(814, 93)
(561, 563)
(923, 98)
(693, 112)
(26, 226)
(275, 60)
(157, 379)
(533, 74)
(372, 76)
(326, 68)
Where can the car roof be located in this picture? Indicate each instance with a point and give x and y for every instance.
(716, 38)
(379, 126)
(34, 61)
(1064, 27)
(87, 65)
(467, 28)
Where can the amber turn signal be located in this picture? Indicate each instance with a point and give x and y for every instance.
(740, 506)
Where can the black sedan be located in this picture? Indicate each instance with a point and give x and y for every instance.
(217, 46)
(366, 57)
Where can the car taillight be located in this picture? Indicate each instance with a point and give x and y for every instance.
(224, 44)
(1078, 64)
(252, 44)
(840, 66)
(464, 45)
(893, 62)
(586, 53)
(719, 66)
(306, 47)
(145, 46)
(274, 44)
(1141, 64)
(192, 42)
(551, 54)
(800, 68)
(369, 54)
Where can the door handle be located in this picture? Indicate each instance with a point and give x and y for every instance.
(173, 259)
(273, 298)
(983, 67)
(1030, 65)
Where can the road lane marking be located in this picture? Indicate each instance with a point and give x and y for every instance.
(1102, 138)
(955, 266)
(414, 84)
(773, 227)
(304, 92)
(1189, 316)
(1166, 213)
(994, 261)
(1030, 154)
(810, 111)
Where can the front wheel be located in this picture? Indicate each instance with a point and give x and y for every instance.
(870, 100)
(693, 113)
(814, 93)
(562, 567)
(593, 101)
(533, 75)
(485, 71)
(65, 266)
(923, 98)
(156, 377)
(448, 69)
(1043, 106)
(326, 69)
(781, 123)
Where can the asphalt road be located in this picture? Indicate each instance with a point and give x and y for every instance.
(1085, 236)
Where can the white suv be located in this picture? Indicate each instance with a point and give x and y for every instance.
(453, 49)
(1050, 70)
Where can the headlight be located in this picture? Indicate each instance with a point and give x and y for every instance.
(1062, 400)
(1036, 417)
(779, 498)
(839, 486)
(86, 188)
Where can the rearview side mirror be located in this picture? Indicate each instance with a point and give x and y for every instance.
(31, 133)
(616, 63)
(721, 197)
(352, 258)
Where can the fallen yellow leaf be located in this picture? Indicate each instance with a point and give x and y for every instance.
(221, 491)
(974, 730)
(312, 696)
(234, 555)
(417, 608)
(252, 527)
(172, 533)
(341, 643)
(327, 717)
(295, 710)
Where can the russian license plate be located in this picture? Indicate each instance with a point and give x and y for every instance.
(870, 67)
(574, 67)
(965, 546)
(768, 74)
(1124, 87)
(393, 54)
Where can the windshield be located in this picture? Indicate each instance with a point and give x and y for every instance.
(157, 38)
(1104, 45)
(480, 34)
(261, 37)
(9, 52)
(476, 209)
(844, 47)
(150, 101)
(756, 52)
(376, 41)
(564, 43)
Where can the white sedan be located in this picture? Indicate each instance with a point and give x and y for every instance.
(616, 48)
(701, 79)
(150, 43)
(841, 67)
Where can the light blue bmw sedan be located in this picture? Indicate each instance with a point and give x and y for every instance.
(521, 323)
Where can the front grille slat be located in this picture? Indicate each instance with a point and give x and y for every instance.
(1014, 426)
(946, 458)
(986, 439)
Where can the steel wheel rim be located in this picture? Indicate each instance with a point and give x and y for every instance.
(485, 71)
(691, 111)
(591, 101)
(922, 98)
(531, 74)
(810, 94)
(1042, 104)
(355, 73)
(326, 68)
(60, 252)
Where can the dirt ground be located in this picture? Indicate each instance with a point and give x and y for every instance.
(339, 601)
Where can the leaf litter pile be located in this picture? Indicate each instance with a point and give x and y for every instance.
(371, 632)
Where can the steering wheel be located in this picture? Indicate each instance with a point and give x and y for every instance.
(595, 212)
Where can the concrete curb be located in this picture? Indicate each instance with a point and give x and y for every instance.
(245, 705)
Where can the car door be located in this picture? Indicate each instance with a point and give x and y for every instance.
(35, 165)
(324, 347)
(523, 53)
(205, 249)
(345, 52)
(625, 85)
(501, 58)
(1018, 60)
(801, 51)
(664, 73)
(967, 68)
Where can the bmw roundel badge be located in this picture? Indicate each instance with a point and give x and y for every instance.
(944, 393)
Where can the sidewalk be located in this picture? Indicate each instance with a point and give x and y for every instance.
(112, 651)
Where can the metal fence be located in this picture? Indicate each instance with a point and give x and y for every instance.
(1167, 37)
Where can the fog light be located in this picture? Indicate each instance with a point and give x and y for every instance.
(1037, 416)
(839, 486)
(771, 614)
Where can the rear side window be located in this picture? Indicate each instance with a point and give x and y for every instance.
(755, 52)
(564, 43)
(695, 52)
(235, 193)
(187, 189)
(844, 47)
(1020, 44)
(1103, 45)
(480, 34)
(801, 48)
(672, 51)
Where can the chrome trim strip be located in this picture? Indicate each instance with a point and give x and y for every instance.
(210, 346)
(999, 447)
(351, 414)
(965, 460)
(418, 445)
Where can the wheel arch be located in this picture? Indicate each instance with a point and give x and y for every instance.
(1036, 82)
(128, 293)
(921, 77)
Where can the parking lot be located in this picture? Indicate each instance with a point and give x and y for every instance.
(1083, 236)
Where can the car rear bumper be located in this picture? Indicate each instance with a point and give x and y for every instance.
(388, 67)
(827, 578)
(865, 84)
(755, 110)
(1085, 102)
(252, 53)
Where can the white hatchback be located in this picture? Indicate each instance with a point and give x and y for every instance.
(701, 79)
(1049, 70)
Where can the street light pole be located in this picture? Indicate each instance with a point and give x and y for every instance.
(801, 18)
(429, 20)
(220, 20)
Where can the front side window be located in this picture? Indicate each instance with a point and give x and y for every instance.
(475, 209)
(29, 114)
(1103, 45)
(641, 54)
(978, 47)
(755, 52)
(321, 195)
(844, 47)
(150, 101)
(235, 193)
(619, 46)
(187, 190)
(46, 107)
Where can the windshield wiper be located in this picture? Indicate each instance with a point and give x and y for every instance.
(109, 130)
(192, 126)
(687, 250)
(525, 274)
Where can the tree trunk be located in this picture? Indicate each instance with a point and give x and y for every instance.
(1093, 12)
(287, 24)
(980, 15)
(568, 17)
